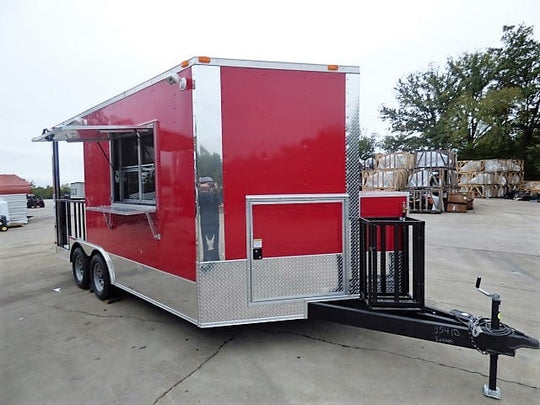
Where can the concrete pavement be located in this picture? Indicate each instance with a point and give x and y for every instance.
(61, 345)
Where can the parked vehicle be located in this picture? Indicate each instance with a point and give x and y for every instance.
(34, 201)
(3, 223)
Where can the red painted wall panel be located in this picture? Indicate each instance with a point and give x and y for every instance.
(381, 205)
(283, 133)
(298, 229)
(131, 237)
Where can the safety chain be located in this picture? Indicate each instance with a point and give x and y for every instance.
(474, 331)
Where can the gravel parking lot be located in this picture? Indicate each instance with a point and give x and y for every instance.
(60, 345)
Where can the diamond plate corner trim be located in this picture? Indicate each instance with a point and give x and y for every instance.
(352, 133)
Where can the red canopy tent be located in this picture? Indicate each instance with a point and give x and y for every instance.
(13, 184)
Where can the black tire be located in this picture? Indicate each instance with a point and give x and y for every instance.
(100, 277)
(80, 263)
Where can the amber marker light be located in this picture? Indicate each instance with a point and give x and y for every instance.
(332, 67)
(204, 59)
(184, 63)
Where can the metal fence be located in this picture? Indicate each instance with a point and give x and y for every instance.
(392, 262)
(70, 221)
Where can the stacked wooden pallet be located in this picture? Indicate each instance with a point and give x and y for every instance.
(528, 190)
(390, 172)
(531, 186)
(490, 178)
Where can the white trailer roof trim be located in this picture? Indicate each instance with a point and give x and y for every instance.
(90, 133)
(331, 69)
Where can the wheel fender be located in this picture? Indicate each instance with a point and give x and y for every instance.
(72, 249)
(91, 250)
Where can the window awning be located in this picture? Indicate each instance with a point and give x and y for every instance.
(91, 133)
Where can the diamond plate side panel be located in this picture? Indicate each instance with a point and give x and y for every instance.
(223, 297)
(297, 277)
(352, 133)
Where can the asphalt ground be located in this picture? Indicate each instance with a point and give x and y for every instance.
(61, 345)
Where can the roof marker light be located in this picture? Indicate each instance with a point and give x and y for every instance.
(332, 67)
(204, 59)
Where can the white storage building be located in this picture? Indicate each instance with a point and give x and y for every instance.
(13, 192)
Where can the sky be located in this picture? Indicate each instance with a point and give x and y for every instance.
(62, 57)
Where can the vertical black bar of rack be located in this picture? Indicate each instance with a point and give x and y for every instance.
(383, 258)
(79, 218)
(362, 251)
(76, 223)
(397, 263)
(68, 217)
(405, 246)
(373, 263)
(75, 218)
(83, 206)
(77, 215)
(418, 263)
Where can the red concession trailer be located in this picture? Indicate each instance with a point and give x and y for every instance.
(228, 192)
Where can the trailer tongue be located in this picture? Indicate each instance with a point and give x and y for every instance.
(456, 328)
(391, 300)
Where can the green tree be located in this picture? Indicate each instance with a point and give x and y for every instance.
(484, 104)
(47, 192)
(519, 69)
(424, 98)
(366, 146)
(464, 120)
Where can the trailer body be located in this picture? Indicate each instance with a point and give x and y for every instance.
(219, 190)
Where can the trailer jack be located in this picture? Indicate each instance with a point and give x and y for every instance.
(458, 328)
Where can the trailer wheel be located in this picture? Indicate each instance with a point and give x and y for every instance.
(80, 264)
(100, 278)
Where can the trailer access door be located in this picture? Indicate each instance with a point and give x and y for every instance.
(288, 256)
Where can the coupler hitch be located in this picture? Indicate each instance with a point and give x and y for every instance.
(490, 336)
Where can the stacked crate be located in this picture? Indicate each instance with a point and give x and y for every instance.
(431, 180)
(490, 178)
(459, 202)
(528, 190)
(390, 172)
(532, 187)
